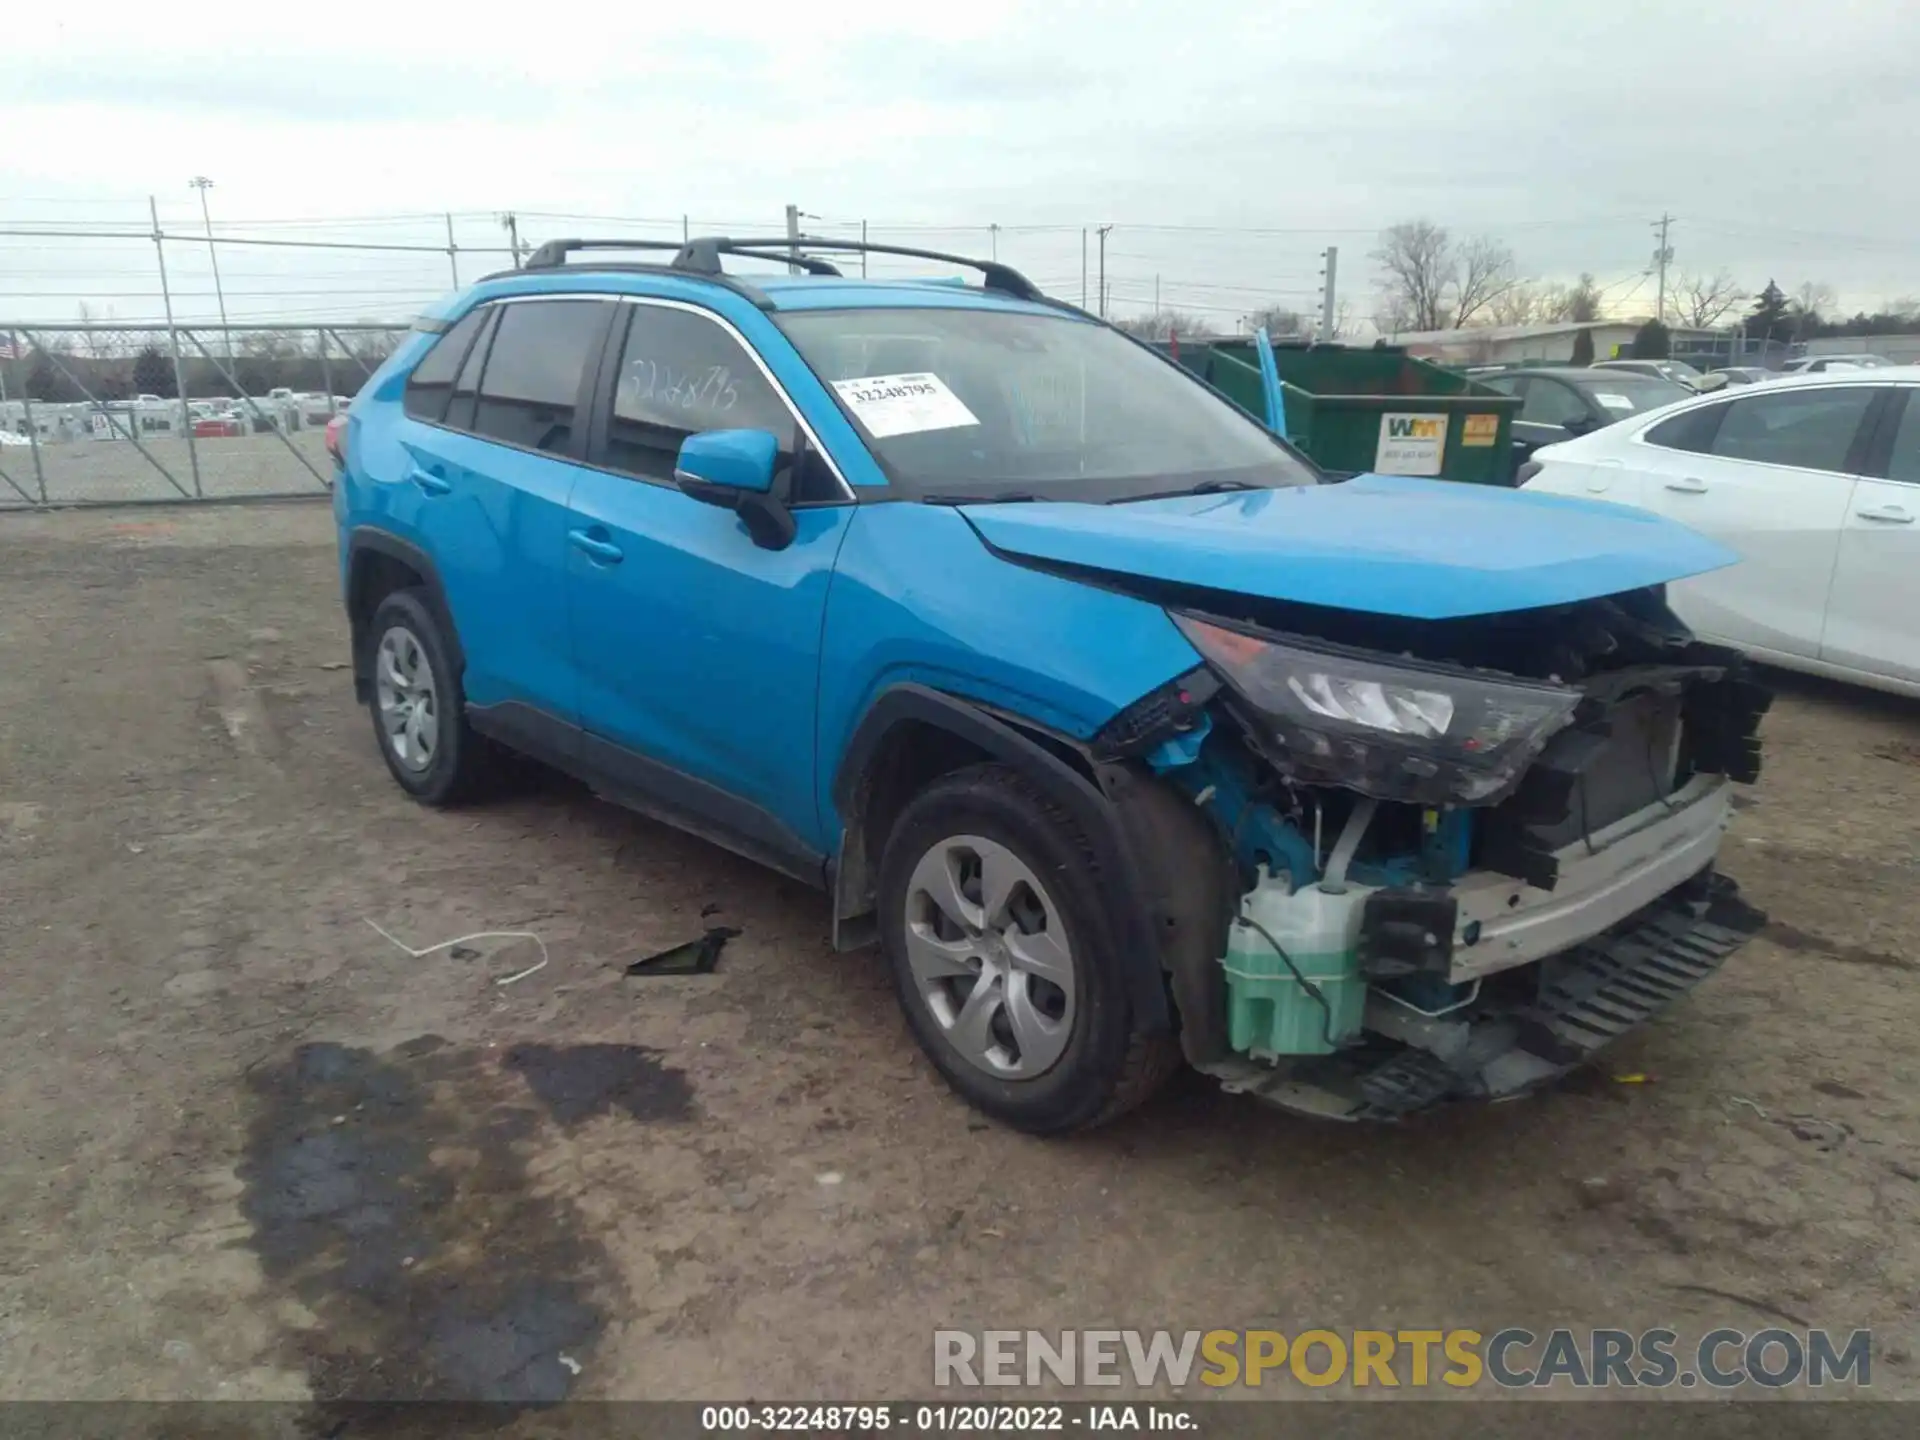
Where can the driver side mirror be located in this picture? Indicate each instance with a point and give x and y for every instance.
(736, 470)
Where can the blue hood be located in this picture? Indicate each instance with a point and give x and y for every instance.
(1384, 544)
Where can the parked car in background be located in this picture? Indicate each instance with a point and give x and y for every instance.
(1821, 364)
(1744, 374)
(1815, 481)
(319, 407)
(1678, 371)
(1559, 402)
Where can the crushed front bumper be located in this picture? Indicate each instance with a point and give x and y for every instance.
(1584, 998)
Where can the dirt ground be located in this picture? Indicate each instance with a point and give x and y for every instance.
(252, 1148)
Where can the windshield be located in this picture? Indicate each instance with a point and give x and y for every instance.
(989, 404)
(1623, 392)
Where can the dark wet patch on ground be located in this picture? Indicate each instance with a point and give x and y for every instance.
(578, 1082)
(390, 1194)
(1792, 937)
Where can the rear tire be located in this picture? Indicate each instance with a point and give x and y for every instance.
(995, 922)
(419, 713)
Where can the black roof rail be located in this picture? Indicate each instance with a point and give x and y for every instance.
(793, 250)
(553, 255)
(701, 256)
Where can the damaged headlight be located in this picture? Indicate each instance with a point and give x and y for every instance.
(1392, 728)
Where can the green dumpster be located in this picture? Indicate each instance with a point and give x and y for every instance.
(1379, 409)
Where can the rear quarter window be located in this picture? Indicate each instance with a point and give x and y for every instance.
(432, 379)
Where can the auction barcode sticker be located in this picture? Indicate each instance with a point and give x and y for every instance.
(903, 404)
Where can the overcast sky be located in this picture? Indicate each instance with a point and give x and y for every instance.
(1779, 135)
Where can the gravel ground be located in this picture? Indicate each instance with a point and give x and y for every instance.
(106, 471)
(749, 1183)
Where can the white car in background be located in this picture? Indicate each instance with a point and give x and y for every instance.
(1814, 481)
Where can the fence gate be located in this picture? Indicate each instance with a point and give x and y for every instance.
(131, 414)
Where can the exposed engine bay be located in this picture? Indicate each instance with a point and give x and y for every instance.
(1461, 854)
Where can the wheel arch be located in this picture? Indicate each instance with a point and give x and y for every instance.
(379, 563)
(911, 735)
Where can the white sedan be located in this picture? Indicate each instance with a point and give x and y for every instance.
(1814, 481)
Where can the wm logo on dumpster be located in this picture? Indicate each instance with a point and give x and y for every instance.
(1413, 427)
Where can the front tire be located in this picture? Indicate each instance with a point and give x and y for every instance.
(996, 926)
(419, 712)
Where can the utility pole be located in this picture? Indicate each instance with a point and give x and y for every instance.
(453, 252)
(1156, 292)
(203, 184)
(1661, 259)
(993, 241)
(863, 253)
(1103, 269)
(1083, 267)
(1332, 269)
(793, 234)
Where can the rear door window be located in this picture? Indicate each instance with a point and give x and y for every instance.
(530, 387)
(432, 379)
(1809, 429)
(466, 390)
(1903, 463)
(1548, 402)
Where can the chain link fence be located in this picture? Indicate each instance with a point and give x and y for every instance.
(120, 414)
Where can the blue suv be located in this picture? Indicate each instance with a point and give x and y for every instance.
(1131, 737)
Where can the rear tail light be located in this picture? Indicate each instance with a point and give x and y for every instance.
(337, 439)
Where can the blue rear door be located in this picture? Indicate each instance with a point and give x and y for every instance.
(697, 651)
(490, 463)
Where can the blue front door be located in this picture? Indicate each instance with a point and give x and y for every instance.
(697, 652)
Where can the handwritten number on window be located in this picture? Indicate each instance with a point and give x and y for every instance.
(709, 389)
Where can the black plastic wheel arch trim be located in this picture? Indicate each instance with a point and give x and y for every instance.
(371, 540)
(1138, 956)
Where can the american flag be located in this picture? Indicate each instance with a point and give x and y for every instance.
(9, 350)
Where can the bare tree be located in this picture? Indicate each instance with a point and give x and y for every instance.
(1277, 320)
(1486, 274)
(1522, 305)
(1431, 283)
(1702, 303)
(1342, 319)
(1160, 324)
(1418, 269)
(1577, 304)
(1807, 303)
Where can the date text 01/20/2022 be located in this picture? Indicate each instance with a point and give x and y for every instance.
(945, 1419)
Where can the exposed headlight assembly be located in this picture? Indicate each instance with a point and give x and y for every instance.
(1391, 728)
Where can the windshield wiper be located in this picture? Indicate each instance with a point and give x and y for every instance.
(1205, 487)
(1004, 497)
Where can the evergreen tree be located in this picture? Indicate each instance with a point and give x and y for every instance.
(1770, 319)
(152, 373)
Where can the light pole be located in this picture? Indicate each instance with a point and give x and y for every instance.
(203, 184)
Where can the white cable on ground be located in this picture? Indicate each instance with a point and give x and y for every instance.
(478, 935)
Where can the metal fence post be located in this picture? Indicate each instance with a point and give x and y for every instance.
(173, 344)
(326, 369)
(26, 409)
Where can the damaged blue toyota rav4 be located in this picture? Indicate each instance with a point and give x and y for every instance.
(1132, 738)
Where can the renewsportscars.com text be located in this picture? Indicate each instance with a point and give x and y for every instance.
(1512, 1358)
